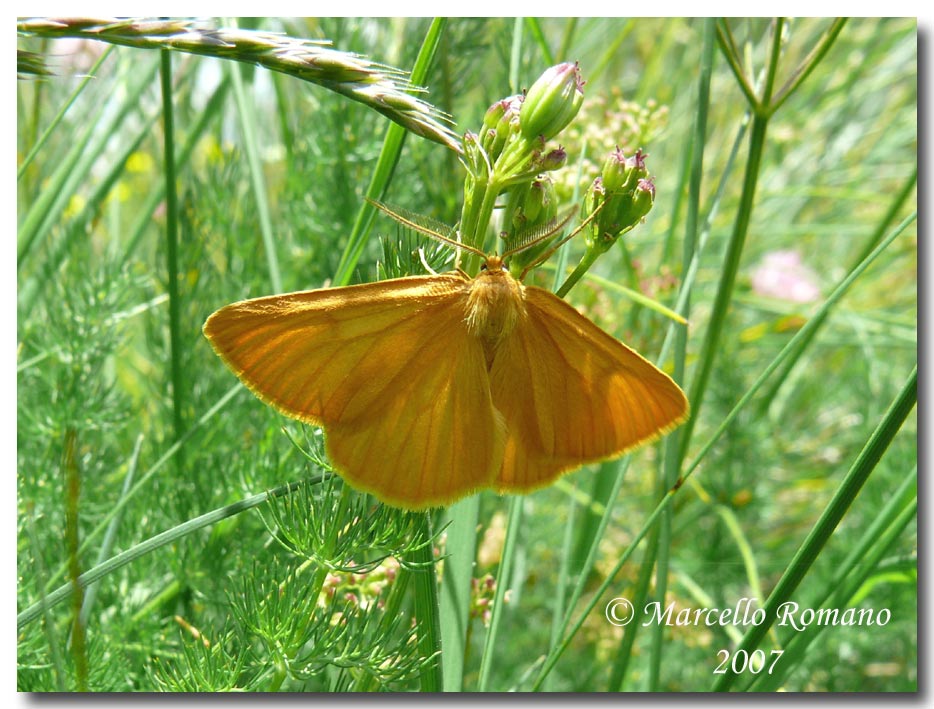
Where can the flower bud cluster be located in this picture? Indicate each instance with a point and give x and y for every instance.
(624, 193)
(512, 146)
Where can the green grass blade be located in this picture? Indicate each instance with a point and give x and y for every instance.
(74, 168)
(809, 64)
(556, 648)
(640, 597)
(862, 468)
(160, 540)
(734, 252)
(385, 165)
(535, 27)
(171, 239)
(455, 589)
(503, 581)
(427, 609)
(564, 573)
(57, 118)
(111, 534)
(862, 561)
(257, 178)
(671, 459)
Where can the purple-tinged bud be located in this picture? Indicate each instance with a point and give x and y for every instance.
(494, 113)
(554, 159)
(500, 123)
(552, 102)
(509, 118)
(643, 198)
(593, 198)
(620, 173)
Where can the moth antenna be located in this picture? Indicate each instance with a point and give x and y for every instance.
(424, 225)
(534, 236)
(545, 255)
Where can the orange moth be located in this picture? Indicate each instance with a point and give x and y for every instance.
(431, 388)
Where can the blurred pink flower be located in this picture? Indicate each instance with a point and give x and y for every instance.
(781, 275)
(76, 56)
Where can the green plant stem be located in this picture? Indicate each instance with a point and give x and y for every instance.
(503, 582)
(820, 534)
(711, 345)
(160, 540)
(809, 64)
(171, 238)
(731, 54)
(587, 260)
(385, 164)
(427, 611)
(564, 572)
(671, 460)
(862, 561)
(455, 589)
(555, 648)
(535, 28)
(735, 529)
(37, 146)
(624, 654)
(257, 179)
(72, 477)
(480, 195)
(111, 534)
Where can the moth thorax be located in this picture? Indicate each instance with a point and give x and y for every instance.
(494, 305)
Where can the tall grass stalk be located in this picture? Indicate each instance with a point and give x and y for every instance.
(763, 108)
(72, 476)
(427, 608)
(503, 583)
(820, 534)
(171, 253)
(385, 165)
(861, 562)
(57, 118)
(380, 87)
(455, 589)
(669, 474)
(257, 180)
